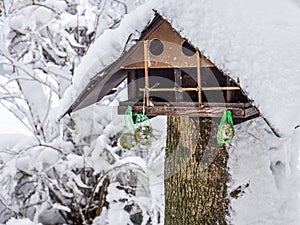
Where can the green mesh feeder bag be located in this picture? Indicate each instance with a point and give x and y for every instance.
(127, 139)
(226, 129)
(143, 131)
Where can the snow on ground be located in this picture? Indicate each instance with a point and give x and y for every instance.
(14, 221)
(269, 165)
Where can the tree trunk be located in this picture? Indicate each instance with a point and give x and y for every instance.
(196, 173)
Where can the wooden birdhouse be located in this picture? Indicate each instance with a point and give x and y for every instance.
(166, 75)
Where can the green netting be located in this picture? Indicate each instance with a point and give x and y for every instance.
(143, 131)
(226, 129)
(127, 139)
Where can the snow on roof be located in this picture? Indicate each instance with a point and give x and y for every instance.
(255, 42)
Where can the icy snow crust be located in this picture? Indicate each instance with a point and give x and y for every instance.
(255, 42)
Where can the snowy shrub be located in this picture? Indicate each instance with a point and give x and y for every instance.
(72, 171)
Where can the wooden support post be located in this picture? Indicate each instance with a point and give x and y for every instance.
(178, 84)
(146, 73)
(228, 92)
(199, 77)
(132, 85)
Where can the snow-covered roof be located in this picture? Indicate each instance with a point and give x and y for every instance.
(256, 42)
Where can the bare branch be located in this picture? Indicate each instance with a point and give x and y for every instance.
(107, 174)
(123, 4)
(36, 5)
(98, 16)
(16, 65)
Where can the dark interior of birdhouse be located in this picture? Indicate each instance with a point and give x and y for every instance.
(166, 87)
(168, 79)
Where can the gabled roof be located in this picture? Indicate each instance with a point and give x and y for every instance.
(110, 77)
(113, 75)
(255, 42)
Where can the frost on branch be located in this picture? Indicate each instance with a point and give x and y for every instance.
(71, 171)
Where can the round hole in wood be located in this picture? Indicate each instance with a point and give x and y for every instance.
(156, 47)
(187, 49)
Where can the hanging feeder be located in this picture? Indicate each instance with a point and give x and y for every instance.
(226, 129)
(143, 132)
(127, 139)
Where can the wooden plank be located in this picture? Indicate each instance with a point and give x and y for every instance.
(156, 23)
(192, 89)
(220, 88)
(146, 73)
(185, 111)
(132, 85)
(192, 104)
(228, 92)
(170, 89)
(251, 111)
(199, 76)
(178, 84)
(162, 65)
(172, 55)
(98, 89)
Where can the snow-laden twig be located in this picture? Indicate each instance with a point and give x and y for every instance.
(107, 173)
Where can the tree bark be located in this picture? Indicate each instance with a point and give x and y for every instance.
(196, 173)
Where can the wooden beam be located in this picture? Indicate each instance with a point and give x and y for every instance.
(185, 111)
(199, 77)
(228, 92)
(178, 84)
(164, 65)
(132, 85)
(146, 73)
(220, 88)
(193, 104)
(192, 89)
(251, 111)
(172, 41)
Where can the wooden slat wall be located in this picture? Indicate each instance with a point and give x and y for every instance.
(172, 55)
